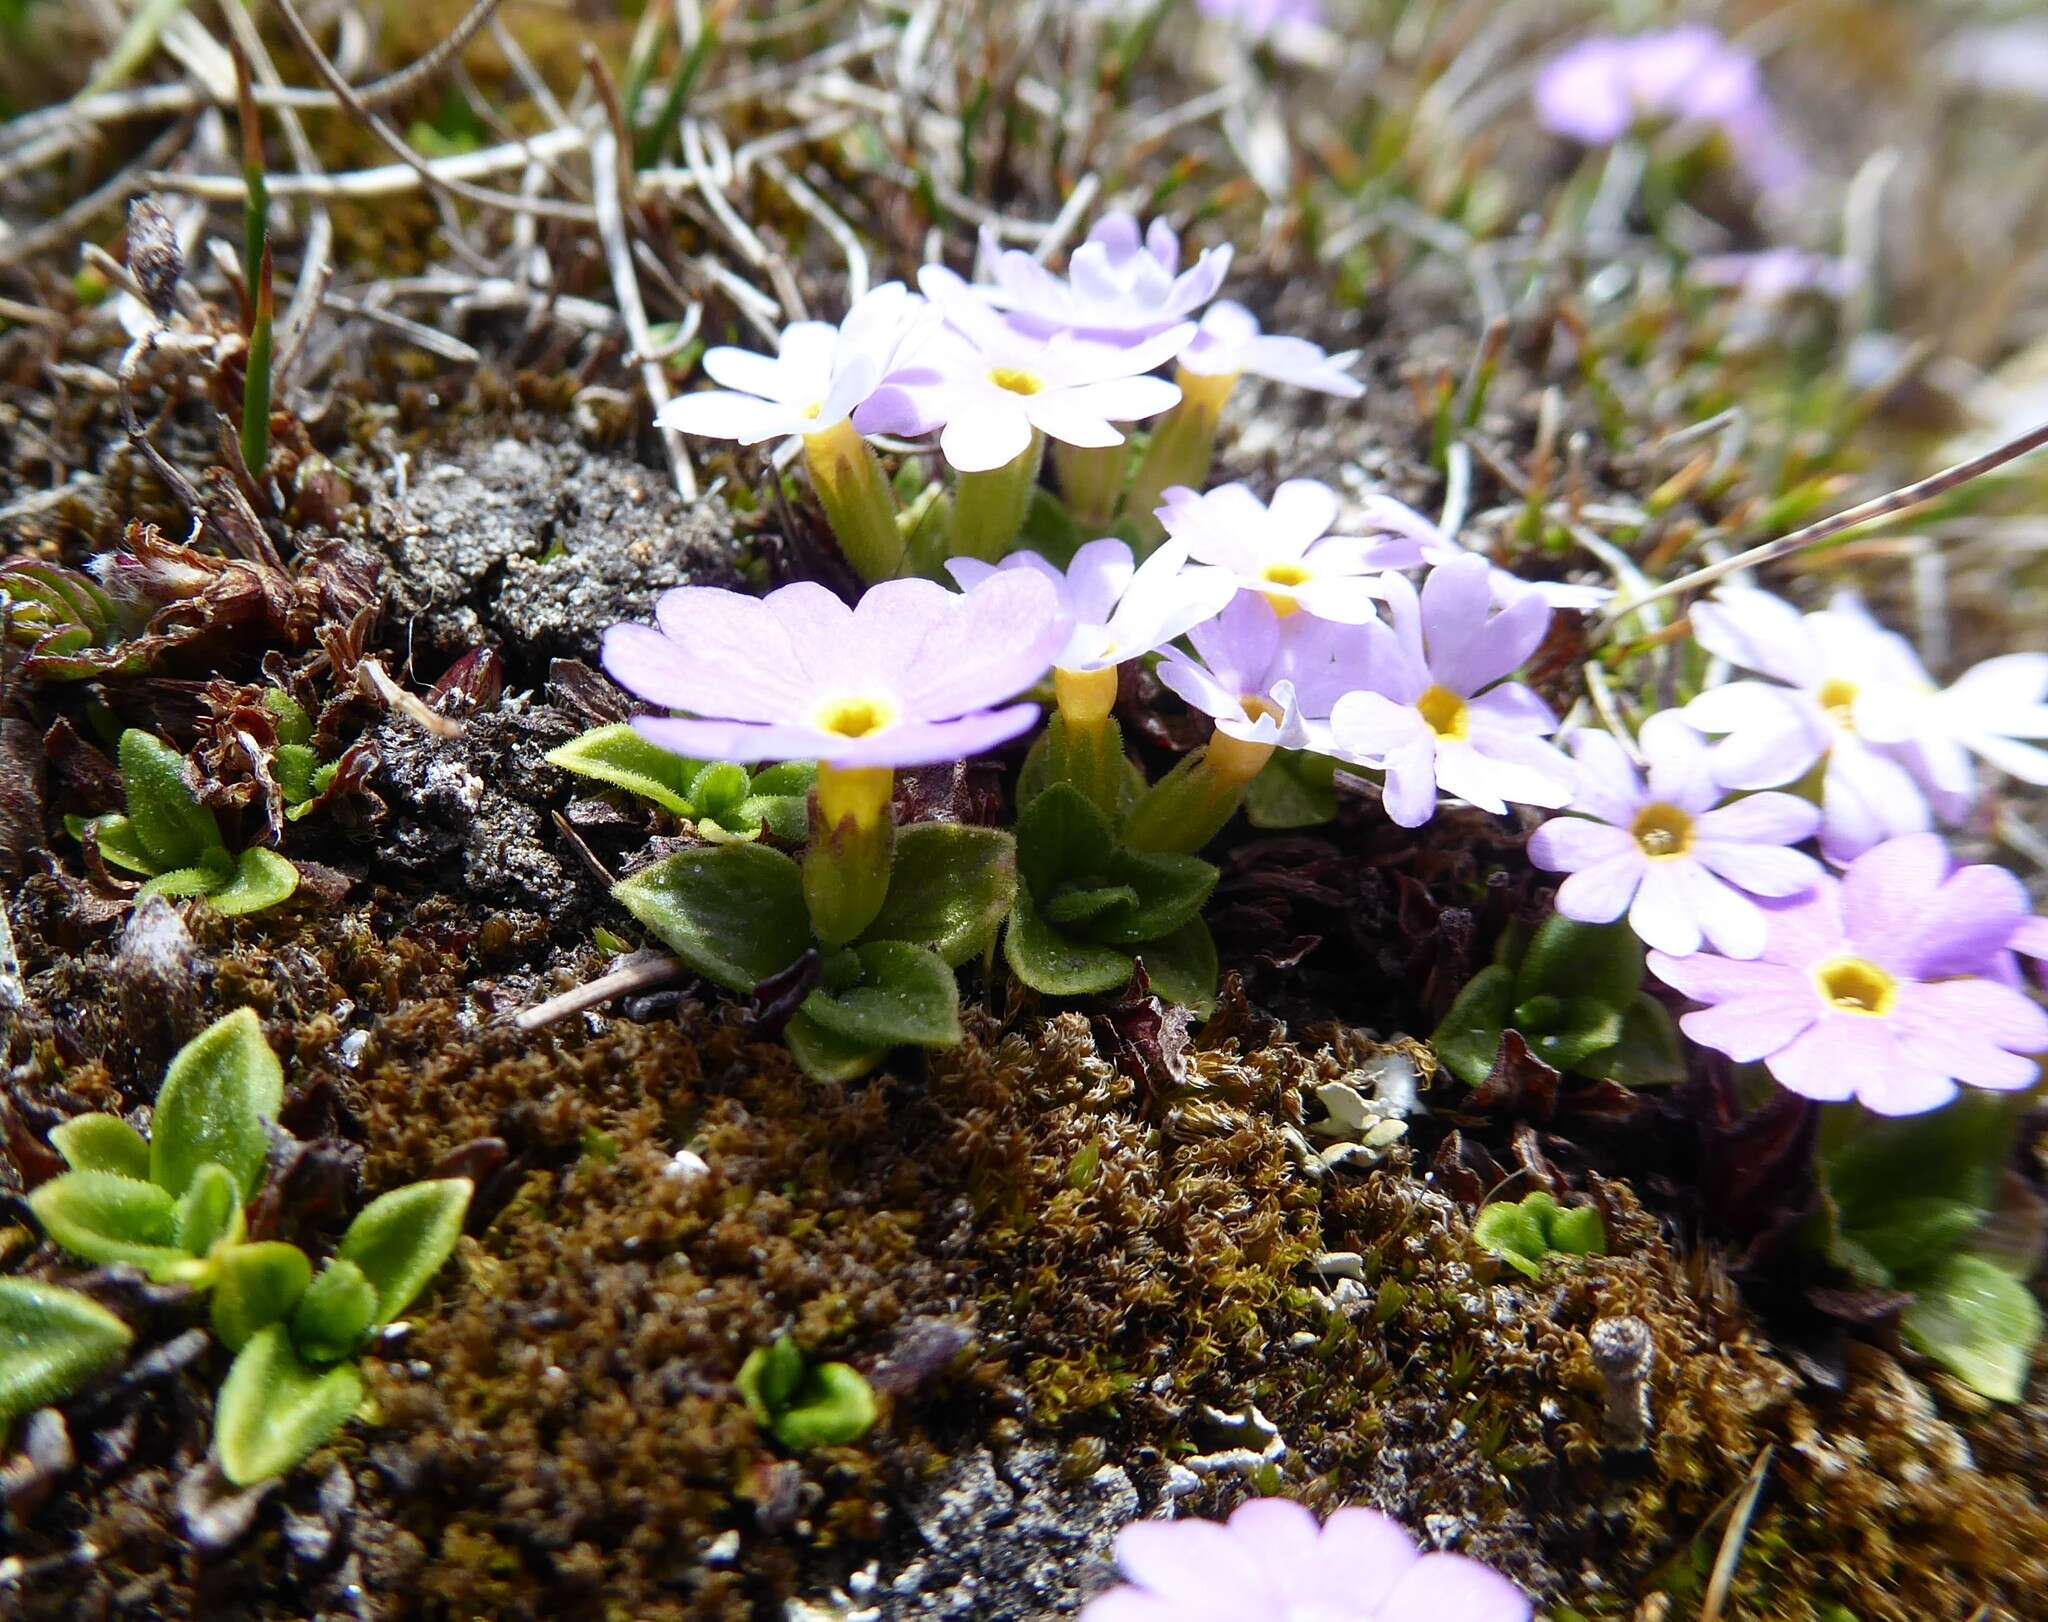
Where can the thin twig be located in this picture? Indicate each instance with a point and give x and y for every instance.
(396, 86)
(393, 179)
(636, 972)
(1730, 1555)
(1879, 507)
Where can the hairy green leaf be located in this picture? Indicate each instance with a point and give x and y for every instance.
(401, 1239)
(262, 878)
(1061, 835)
(832, 1407)
(1523, 1233)
(949, 889)
(334, 1316)
(256, 1286)
(52, 1340)
(168, 820)
(104, 1217)
(619, 756)
(209, 1211)
(1977, 1321)
(1469, 1036)
(1169, 890)
(734, 914)
(222, 1089)
(1052, 962)
(1182, 966)
(120, 845)
(825, 1057)
(102, 1143)
(905, 994)
(1602, 962)
(273, 1410)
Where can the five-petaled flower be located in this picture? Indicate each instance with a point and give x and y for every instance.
(1260, 678)
(1229, 344)
(1435, 713)
(1271, 1562)
(1284, 551)
(1667, 852)
(987, 385)
(1882, 986)
(817, 376)
(912, 676)
(1120, 609)
(1120, 287)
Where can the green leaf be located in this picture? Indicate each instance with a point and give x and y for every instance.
(1295, 789)
(1051, 962)
(209, 1211)
(1049, 529)
(255, 1286)
(120, 845)
(52, 1341)
(1977, 1321)
(1070, 906)
(1523, 1233)
(103, 1217)
(786, 816)
(102, 1143)
(169, 822)
(1575, 1029)
(1062, 836)
(1469, 1036)
(734, 914)
(335, 1315)
(262, 879)
(833, 1406)
(401, 1239)
(717, 790)
(906, 994)
(790, 780)
(273, 1410)
(293, 765)
(949, 889)
(294, 726)
(768, 1379)
(213, 874)
(825, 1057)
(1170, 890)
(1182, 966)
(221, 1090)
(620, 757)
(1647, 1053)
(1602, 962)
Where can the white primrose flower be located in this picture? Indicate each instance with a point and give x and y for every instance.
(1119, 287)
(816, 378)
(1121, 609)
(1285, 552)
(987, 386)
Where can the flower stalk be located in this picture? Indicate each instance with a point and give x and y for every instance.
(857, 500)
(1083, 744)
(1092, 480)
(1182, 449)
(989, 508)
(1189, 806)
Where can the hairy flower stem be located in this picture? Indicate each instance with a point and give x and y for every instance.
(1182, 449)
(1092, 480)
(857, 501)
(989, 508)
(853, 842)
(1083, 744)
(1189, 806)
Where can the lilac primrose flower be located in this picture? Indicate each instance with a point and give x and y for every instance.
(1258, 18)
(1434, 712)
(1874, 986)
(909, 677)
(1263, 679)
(1828, 669)
(1270, 1562)
(1986, 712)
(1229, 344)
(812, 383)
(1120, 609)
(1284, 551)
(988, 386)
(1774, 275)
(1682, 865)
(1598, 90)
(1119, 287)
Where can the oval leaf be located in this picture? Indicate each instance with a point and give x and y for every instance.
(1977, 1321)
(950, 889)
(166, 816)
(119, 845)
(262, 879)
(209, 1211)
(103, 1217)
(1058, 965)
(1167, 889)
(400, 1239)
(255, 1287)
(52, 1341)
(833, 1406)
(1469, 1036)
(906, 994)
(273, 1410)
(620, 757)
(218, 1094)
(1061, 835)
(334, 1316)
(1182, 966)
(733, 913)
(102, 1143)
(825, 1057)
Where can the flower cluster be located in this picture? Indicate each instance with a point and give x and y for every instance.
(1271, 1560)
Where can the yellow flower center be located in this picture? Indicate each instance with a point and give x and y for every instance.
(813, 412)
(1284, 574)
(1259, 709)
(1085, 696)
(1448, 715)
(1855, 985)
(1016, 381)
(1838, 698)
(1662, 831)
(855, 717)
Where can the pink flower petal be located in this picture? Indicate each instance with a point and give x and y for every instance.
(1451, 1588)
(971, 650)
(1195, 1562)
(1362, 1556)
(1761, 819)
(1605, 783)
(1732, 923)
(1759, 632)
(1751, 1028)
(1567, 844)
(1601, 893)
(1837, 1057)
(1662, 914)
(1766, 870)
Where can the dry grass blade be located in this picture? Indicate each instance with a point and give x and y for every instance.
(1722, 1578)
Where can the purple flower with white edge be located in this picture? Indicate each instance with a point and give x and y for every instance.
(1284, 551)
(987, 386)
(1271, 1562)
(1120, 287)
(1826, 669)
(914, 675)
(1229, 344)
(1434, 712)
(1598, 90)
(1120, 609)
(1874, 986)
(1667, 852)
(817, 376)
(1260, 678)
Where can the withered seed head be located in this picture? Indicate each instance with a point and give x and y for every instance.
(154, 255)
